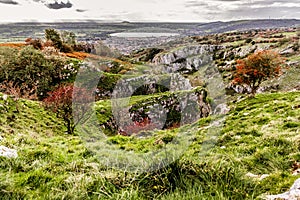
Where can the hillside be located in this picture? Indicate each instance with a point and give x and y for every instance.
(173, 125)
(52, 165)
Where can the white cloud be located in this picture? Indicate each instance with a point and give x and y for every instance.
(148, 10)
(276, 5)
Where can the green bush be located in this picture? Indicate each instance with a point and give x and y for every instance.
(284, 41)
(54, 36)
(68, 38)
(66, 48)
(33, 70)
(248, 40)
(64, 41)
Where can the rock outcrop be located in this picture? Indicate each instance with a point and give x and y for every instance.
(162, 111)
(187, 59)
(145, 84)
(7, 152)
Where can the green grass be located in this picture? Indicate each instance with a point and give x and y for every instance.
(235, 43)
(288, 81)
(294, 58)
(260, 135)
(286, 34)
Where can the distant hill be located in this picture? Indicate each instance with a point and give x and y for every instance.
(95, 30)
(221, 27)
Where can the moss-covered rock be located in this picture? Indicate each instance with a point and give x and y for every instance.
(164, 110)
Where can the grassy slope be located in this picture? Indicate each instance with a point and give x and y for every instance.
(259, 136)
(52, 165)
(47, 157)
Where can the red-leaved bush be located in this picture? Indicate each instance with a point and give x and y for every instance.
(258, 67)
(138, 126)
(70, 103)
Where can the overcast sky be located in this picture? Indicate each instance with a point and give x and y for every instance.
(146, 10)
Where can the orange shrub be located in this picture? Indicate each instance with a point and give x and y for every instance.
(258, 67)
(14, 45)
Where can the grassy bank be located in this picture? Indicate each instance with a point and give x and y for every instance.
(260, 135)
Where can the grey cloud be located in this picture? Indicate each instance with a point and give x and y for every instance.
(268, 2)
(9, 2)
(228, 0)
(56, 5)
(80, 10)
(267, 6)
(245, 9)
(264, 12)
(60, 5)
(194, 3)
(200, 6)
(263, 9)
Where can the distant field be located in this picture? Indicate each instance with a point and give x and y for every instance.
(95, 30)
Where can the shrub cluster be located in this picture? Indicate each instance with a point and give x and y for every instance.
(64, 42)
(258, 67)
(33, 72)
(64, 99)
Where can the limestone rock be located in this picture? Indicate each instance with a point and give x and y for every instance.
(221, 109)
(9, 153)
(288, 50)
(164, 111)
(187, 59)
(292, 194)
(258, 177)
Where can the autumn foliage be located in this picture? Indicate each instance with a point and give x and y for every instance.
(143, 125)
(80, 55)
(18, 91)
(13, 45)
(258, 67)
(70, 103)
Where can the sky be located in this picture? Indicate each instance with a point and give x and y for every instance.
(146, 10)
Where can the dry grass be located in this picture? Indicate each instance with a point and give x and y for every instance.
(14, 45)
(78, 55)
